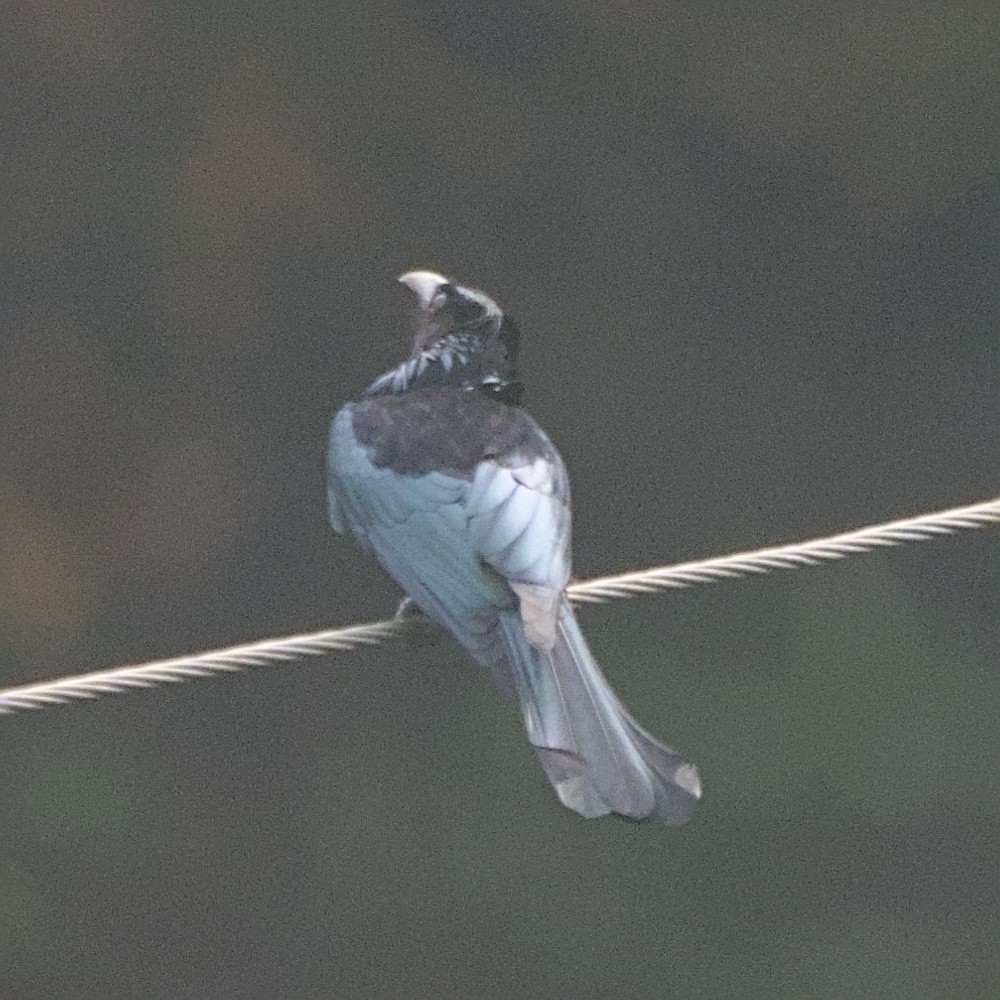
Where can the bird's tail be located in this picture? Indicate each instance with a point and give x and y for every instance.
(598, 758)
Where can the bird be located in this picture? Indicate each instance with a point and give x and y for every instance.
(461, 496)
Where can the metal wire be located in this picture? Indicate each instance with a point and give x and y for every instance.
(118, 680)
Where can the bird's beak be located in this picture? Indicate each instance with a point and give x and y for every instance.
(423, 284)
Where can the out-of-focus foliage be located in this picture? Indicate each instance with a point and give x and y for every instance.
(753, 252)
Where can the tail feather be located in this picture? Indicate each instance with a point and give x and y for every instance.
(597, 757)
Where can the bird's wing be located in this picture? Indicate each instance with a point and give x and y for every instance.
(462, 546)
(417, 526)
(519, 524)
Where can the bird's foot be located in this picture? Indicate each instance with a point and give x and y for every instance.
(408, 609)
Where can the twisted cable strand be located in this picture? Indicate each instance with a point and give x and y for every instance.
(118, 680)
(272, 651)
(811, 553)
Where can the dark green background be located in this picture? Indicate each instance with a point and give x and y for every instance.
(754, 252)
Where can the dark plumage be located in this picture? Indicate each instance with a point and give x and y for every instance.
(465, 502)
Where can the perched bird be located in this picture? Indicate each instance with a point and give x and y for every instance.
(465, 502)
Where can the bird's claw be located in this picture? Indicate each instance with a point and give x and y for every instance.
(407, 609)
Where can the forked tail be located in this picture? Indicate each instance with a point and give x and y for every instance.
(598, 758)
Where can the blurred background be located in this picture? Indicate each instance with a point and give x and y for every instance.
(753, 249)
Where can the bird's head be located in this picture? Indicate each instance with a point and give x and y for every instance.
(447, 308)
(463, 339)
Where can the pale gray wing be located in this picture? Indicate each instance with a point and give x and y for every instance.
(519, 523)
(418, 528)
(462, 549)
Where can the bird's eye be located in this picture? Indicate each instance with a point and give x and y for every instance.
(442, 295)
